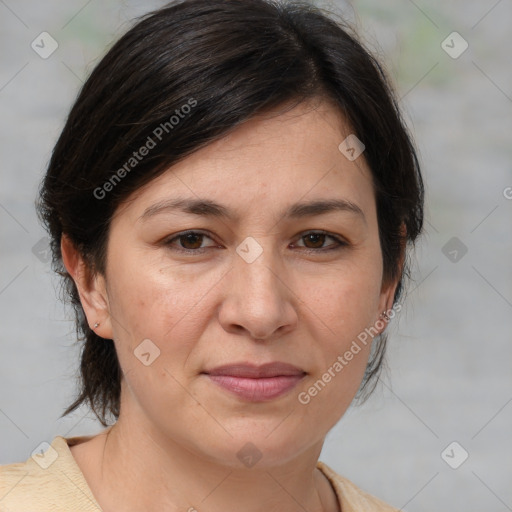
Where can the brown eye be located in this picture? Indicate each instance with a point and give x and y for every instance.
(191, 240)
(316, 240)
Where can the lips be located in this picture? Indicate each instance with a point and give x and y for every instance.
(254, 372)
(256, 383)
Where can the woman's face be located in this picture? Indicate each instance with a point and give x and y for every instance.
(252, 285)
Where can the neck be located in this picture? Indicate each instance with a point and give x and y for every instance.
(139, 469)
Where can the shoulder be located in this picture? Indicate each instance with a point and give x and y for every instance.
(351, 498)
(49, 480)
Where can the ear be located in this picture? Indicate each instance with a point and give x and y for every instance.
(91, 288)
(389, 286)
(387, 295)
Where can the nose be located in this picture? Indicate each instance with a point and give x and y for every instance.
(258, 299)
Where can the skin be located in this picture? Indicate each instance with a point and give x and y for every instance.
(176, 441)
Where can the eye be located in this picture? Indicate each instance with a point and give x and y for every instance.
(189, 241)
(192, 242)
(314, 241)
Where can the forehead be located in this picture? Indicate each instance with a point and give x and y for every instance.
(274, 159)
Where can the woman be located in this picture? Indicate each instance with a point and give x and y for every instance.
(229, 203)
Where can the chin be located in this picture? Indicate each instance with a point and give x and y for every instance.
(261, 448)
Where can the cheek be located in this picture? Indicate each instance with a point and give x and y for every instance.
(149, 300)
(340, 351)
(346, 300)
(342, 306)
(156, 322)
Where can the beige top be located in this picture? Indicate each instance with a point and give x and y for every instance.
(51, 481)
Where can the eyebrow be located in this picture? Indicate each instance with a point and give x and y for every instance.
(209, 208)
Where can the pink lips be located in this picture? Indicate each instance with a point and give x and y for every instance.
(257, 383)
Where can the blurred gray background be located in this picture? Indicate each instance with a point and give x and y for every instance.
(450, 354)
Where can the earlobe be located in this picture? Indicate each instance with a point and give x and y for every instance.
(91, 288)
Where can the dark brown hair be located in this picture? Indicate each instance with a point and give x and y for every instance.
(227, 60)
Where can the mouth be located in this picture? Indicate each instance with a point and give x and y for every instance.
(256, 383)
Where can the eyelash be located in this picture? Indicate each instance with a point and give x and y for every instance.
(340, 243)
